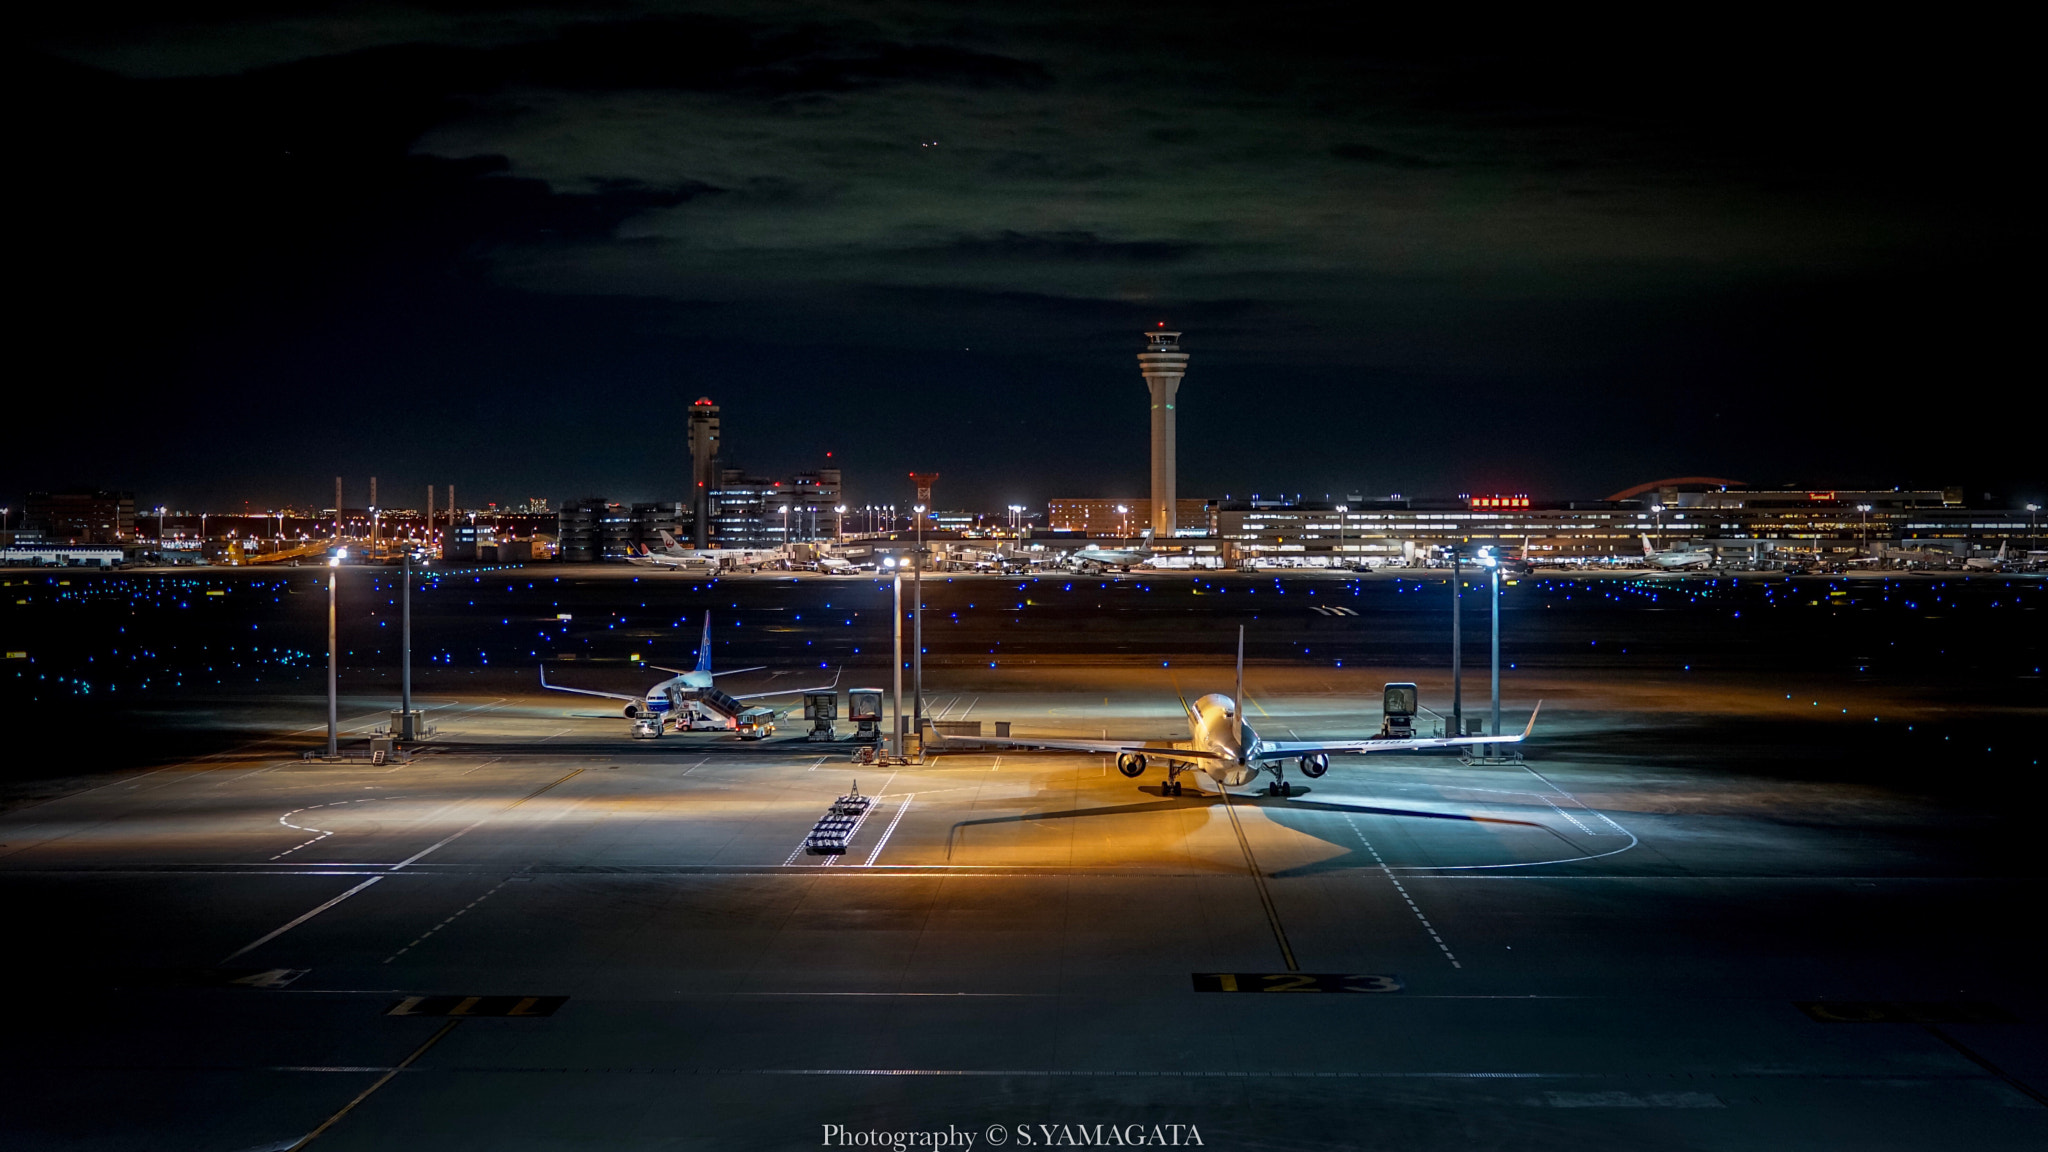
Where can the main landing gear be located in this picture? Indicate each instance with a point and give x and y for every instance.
(1311, 766)
(1132, 765)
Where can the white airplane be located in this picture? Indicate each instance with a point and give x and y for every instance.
(687, 694)
(1222, 745)
(674, 555)
(1986, 563)
(1093, 559)
(1677, 557)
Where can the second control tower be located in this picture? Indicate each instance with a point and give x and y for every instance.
(1163, 364)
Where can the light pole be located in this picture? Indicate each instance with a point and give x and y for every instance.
(896, 671)
(1457, 644)
(1658, 511)
(839, 524)
(333, 657)
(1341, 510)
(406, 726)
(917, 633)
(1487, 558)
(160, 510)
(1124, 521)
(785, 528)
(1863, 530)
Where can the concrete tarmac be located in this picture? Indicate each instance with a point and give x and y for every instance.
(1620, 942)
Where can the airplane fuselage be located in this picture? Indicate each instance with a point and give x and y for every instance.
(1216, 727)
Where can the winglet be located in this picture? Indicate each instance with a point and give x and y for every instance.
(1531, 726)
(544, 677)
(704, 646)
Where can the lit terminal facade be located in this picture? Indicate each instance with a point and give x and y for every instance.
(1821, 524)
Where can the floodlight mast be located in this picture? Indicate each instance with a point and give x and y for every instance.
(1457, 644)
(405, 665)
(896, 671)
(333, 656)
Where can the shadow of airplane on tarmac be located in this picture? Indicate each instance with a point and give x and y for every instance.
(1268, 804)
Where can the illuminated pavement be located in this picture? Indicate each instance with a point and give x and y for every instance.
(1604, 947)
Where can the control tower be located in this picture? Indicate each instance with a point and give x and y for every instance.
(703, 468)
(1163, 364)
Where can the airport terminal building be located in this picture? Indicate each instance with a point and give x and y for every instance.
(1821, 525)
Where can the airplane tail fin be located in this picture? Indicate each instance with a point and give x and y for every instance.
(1647, 550)
(1238, 699)
(667, 539)
(704, 646)
(2001, 550)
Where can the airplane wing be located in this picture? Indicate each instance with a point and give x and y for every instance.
(1280, 749)
(587, 692)
(789, 691)
(1140, 747)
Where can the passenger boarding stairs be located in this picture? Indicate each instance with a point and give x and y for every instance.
(715, 702)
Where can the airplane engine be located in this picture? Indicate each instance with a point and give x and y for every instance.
(1316, 765)
(1130, 764)
(632, 710)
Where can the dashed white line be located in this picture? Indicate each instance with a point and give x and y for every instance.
(1398, 887)
(448, 921)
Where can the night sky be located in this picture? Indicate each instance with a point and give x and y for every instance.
(502, 247)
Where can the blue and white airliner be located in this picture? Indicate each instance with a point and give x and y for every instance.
(690, 695)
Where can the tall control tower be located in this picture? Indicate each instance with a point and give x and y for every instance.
(703, 468)
(1163, 364)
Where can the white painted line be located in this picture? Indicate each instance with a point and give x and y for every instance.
(268, 937)
(296, 921)
(448, 921)
(890, 830)
(1632, 841)
(1398, 887)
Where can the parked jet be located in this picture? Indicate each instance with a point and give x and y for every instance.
(1987, 563)
(690, 695)
(1093, 559)
(1684, 556)
(674, 555)
(1223, 746)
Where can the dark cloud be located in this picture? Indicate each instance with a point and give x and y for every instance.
(1368, 154)
(1060, 246)
(546, 220)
